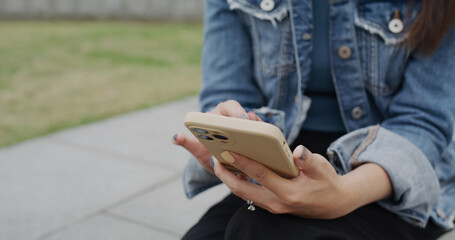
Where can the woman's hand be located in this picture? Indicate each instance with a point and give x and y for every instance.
(230, 108)
(318, 192)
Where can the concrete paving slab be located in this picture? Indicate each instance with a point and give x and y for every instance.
(105, 227)
(140, 136)
(167, 208)
(46, 185)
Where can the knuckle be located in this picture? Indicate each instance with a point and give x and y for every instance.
(259, 175)
(235, 188)
(291, 200)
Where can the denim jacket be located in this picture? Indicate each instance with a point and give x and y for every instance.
(398, 107)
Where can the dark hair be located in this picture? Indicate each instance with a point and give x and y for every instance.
(435, 19)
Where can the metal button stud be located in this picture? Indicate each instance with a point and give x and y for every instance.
(344, 52)
(356, 113)
(307, 36)
(396, 25)
(267, 5)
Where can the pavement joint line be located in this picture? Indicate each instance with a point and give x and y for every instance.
(148, 189)
(155, 186)
(136, 222)
(105, 152)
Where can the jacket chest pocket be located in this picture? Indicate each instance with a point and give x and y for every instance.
(270, 31)
(381, 28)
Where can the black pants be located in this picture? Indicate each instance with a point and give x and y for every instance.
(230, 219)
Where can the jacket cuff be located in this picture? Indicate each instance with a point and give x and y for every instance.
(415, 184)
(196, 179)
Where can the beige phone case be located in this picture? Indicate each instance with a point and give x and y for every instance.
(259, 141)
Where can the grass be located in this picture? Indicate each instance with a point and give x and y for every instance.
(55, 75)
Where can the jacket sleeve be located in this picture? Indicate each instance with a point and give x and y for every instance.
(227, 61)
(418, 129)
(227, 73)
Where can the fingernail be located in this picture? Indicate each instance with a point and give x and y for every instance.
(211, 161)
(228, 157)
(243, 116)
(174, 139)
(304, 153)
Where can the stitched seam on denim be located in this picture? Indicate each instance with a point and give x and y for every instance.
(273, 70)
(296, 126)
(371, 136)
(378, 88)
(286, 45)
(366, 107)
(334, 76)
(281, 83)
(264, 69)
(364, 52)
(256, 52)
(303, 20)
(375, 62)
(278, 14)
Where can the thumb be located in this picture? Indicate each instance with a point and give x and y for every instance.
(312, 165)
(192, 145)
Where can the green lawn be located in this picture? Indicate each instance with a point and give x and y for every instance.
(55, 75)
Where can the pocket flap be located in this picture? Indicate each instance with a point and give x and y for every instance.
(253, 7)
(375, 17)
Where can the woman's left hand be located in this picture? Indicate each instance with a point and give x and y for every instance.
(317, 192)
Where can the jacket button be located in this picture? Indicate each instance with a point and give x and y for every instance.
(396, 25)
(356, 113)
(307, 36)
(344, 52)
(267, 5)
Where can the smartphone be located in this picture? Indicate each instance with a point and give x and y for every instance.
(260, 141)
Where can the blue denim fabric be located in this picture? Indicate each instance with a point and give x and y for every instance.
(398, 106)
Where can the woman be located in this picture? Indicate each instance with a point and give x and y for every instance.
(366, 85)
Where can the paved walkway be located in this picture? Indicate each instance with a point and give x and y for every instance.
(115, 179)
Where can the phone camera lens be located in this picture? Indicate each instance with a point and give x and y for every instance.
(205, 137)
(221, 137)
(198, 130)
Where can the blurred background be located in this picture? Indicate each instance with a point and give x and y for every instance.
(69, 62)
(91, 93)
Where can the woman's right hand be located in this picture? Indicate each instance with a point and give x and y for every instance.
(229, 108)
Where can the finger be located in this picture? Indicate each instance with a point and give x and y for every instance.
(261, 196)
(312, 165)
(238, 185)
(231, 108)
(254, 116)
(259, 173)
(192, 145)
